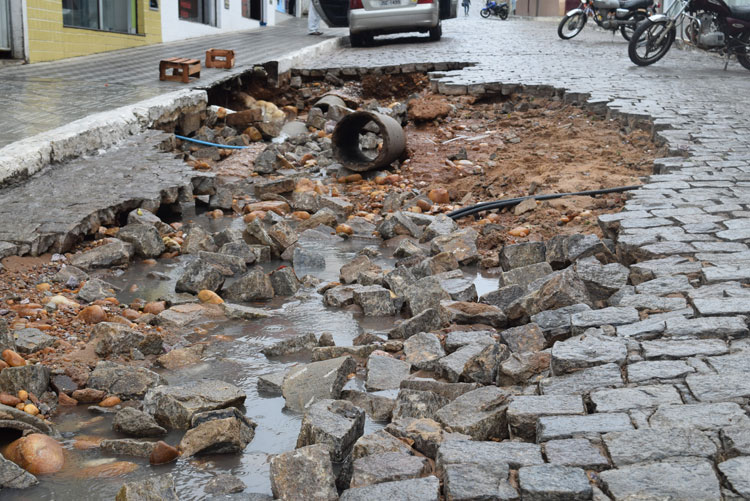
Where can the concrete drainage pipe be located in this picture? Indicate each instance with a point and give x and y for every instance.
(346, 145)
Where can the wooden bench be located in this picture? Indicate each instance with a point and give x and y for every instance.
(219, 58)
(182, 69)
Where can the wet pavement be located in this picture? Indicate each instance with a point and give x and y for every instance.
(39, 97)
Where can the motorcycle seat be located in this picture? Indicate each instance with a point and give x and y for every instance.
(635, 4)
(740, 12)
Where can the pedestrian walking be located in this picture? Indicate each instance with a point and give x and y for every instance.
(313, 21)
(466, 4)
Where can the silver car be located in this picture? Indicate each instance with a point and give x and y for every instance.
(368, 18)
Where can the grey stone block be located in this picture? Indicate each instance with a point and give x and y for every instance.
(707, 327)
(557, 427)
(612, 315)
(700, 416)
(737, 473)
(385, 373)
(419, 489)
(480, 413)
(623, 399)
(583, 381)
(674, 349)
(554, 483)
(640, 372)
(732, 386)
(575, 452)
(646, 445)
(586, 351)
(524, 411)
(692, 479)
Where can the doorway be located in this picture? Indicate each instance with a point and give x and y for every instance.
(5, 33)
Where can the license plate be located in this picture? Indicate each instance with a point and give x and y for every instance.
(389, 3)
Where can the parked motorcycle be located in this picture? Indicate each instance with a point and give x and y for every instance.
(711, 25)
(608, 14)
(494, 9)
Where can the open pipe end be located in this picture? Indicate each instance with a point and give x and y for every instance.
(347, 149)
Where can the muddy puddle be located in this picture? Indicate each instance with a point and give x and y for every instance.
(233, 354)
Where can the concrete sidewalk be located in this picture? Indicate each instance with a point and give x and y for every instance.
(39, 97)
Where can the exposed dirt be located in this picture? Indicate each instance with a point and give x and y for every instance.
(392, 86)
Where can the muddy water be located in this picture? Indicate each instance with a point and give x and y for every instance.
(233, 355)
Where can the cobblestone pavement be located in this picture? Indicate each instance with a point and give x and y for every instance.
(666, 393)
(39, 97)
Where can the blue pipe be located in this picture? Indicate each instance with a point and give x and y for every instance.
(225, 146)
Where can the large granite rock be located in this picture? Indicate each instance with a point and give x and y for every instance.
(418, 489)
(336, 423)
(223, 431)
(136, 423)
(32, 378)
(304, 473)
(691, 478)
(388, 467)
(155, 488)
(124, 381)
(307, 383)
(480, 413)
(385, 373)
(175, 406)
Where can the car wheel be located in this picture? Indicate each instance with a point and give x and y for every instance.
(357, 39)
(436, 33)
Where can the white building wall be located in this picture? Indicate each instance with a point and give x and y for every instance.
(174, 28)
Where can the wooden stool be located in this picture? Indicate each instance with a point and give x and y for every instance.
(182, 69)
(219, 58)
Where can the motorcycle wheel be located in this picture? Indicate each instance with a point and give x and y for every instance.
(503, 14)
(570, 26)
(485, 13)
(744, 57)
(627, 30)
(644, 47)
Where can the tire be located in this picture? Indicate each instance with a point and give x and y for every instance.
(570, 26)
(485, 13)
(627, 31)
(744, 57)
(356, 40)
(504, 13)
(643, 40)
(436, 33)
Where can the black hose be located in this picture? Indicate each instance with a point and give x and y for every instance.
(510, 202)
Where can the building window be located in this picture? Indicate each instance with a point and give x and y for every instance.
(198, 11)
(107, 15)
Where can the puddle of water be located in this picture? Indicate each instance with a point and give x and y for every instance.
(234, 357)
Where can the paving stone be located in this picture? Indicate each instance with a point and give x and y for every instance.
(722, 306)
(523, 254)
(640, 372)
(418, 404)
(458, 339)
(305, 472)
(577, 452)
(423, 350)
(452, 367)
(514, 454)
(465, 312)
(478, 481)
(335, 423)
(524, 338)
(524, 275)
(377, 443)
(480, 413)
(601, 280)
(736, 440)
(646, 445)
(675, 349)
(557, 427)
(523, 411)
(664, 285)
(607, 316)
(586, 351)
(304, 384)
(736, 362)
(652, 302)
(419, 489)
(552, 483)
(375, 301)
(707, 327)
(450, 391)
(388, 467)
(737, 473)
(727, 386)
(583, 381)
(385, 373)
(556, 323)
(677, 479)
(623, 399)
(708, 416)
(424, 322)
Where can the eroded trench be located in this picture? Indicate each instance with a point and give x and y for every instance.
(459, 151)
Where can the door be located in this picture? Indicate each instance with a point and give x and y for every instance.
(448, 9)
(5, 25)
(335, 13)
